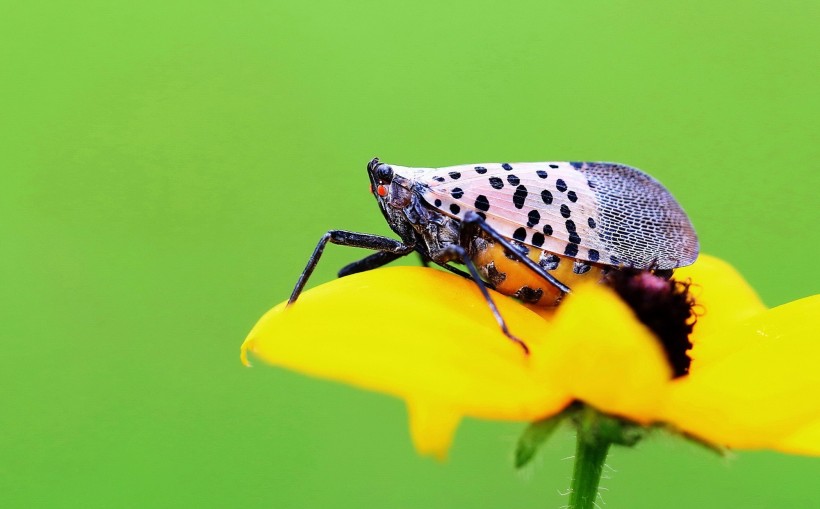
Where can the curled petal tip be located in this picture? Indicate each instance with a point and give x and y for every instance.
(243, 353)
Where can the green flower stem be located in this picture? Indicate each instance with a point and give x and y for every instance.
(590, 453)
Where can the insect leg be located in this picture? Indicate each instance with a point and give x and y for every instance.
(370, 262)
(346, 238)
(473, 221)
(425, 261)
(380, 258)
(466, 275)
(465, 259)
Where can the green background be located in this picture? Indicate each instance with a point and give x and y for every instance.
(167, 167)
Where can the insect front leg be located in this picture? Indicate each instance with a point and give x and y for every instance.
(462, 254)
(346, 238)
(473, 223)
(424, 259)
(369, 262)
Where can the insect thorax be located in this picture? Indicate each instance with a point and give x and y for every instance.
(421, 225)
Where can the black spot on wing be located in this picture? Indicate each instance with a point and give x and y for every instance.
(520, 196)
(565, 212)
(455, 175)
(480, 170)
(496, 183)
(547, 229)
(546, 196)
(457, 192)
(538, 239)
(560, 185)
(571, 250)
(506, 166)
(520, 234)
(533, 218)
(482, 203)
(455, 209)
(572, 196)
(542, 174)
(513, 180)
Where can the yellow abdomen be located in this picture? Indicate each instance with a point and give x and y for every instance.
(512, 277)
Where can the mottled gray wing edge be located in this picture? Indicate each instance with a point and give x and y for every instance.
(641, 223)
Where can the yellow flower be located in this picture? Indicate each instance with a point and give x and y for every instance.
(428, 337)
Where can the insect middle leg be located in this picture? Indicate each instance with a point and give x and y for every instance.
(464, 257)
(346, 238)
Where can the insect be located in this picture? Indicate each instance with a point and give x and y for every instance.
(529, 230)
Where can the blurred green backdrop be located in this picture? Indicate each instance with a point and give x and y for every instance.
(167, 167)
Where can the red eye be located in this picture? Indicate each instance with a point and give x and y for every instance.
(382, 190)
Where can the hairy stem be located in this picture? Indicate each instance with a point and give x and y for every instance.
(590, 453)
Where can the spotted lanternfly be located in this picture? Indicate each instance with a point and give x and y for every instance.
(530, 230)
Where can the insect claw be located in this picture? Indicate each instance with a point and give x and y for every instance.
(517, 341)
(523, 346)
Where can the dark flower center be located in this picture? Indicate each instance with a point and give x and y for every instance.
(662, 304)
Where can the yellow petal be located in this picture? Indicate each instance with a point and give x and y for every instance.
(432, 427)
(765, 395)
(722, 298)
(601, 354)
(428, 336)
(420, 334)
(804, 440)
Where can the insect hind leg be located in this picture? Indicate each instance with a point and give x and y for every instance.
(473, 223)
(462, 254)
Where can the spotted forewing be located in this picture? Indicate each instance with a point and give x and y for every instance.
(604, 213)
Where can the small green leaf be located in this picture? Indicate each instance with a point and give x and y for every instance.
(536, 434)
